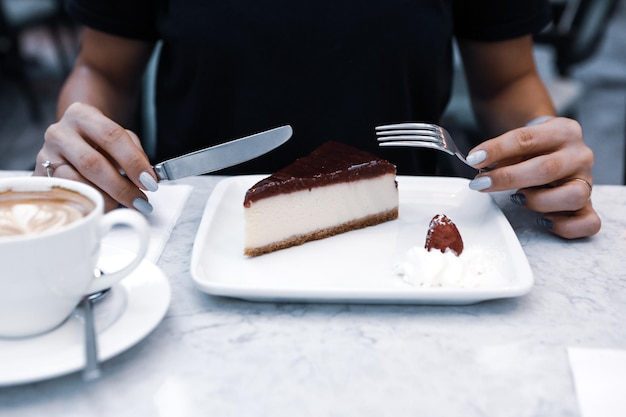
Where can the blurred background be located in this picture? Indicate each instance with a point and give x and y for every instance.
(582, 58)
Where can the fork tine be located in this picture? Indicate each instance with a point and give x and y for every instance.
(417, 144)
(418, 132)
(425, 126)
(410, 138)
(418, 135)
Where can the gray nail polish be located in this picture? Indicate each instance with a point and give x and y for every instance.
(142, 205)
(480, 183)
(147, 181)
(546, 223)
(519, 199)
(476, 157)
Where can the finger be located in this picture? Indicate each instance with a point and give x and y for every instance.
(573, 160)
(148, 179)
(40, 169)
(95, 169)
(540, 170)
(574, 225)
(511, 147)
(527, 142)
(136, 141)
(120, 147)
(569, 196)
(65, 170)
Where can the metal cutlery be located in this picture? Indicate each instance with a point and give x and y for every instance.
(92, 367)
(223, 155)
(419, 135)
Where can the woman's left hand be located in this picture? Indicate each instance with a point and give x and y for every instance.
(550, 166)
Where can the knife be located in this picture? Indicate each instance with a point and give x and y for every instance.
(223, 155)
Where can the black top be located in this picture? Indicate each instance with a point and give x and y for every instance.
(332, 69)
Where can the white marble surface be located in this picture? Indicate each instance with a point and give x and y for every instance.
(225, 357)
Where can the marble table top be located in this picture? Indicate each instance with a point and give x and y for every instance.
(226, 357)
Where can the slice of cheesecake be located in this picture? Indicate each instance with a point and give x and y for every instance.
(335, 189)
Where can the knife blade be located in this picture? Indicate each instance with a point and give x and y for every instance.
(223, 155)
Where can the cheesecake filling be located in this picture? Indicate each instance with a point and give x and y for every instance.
(303, 212)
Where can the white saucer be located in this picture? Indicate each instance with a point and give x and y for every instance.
(132, 309)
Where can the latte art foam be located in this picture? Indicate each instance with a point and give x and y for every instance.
(24, 213)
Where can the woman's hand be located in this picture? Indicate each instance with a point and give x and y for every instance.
(85, 145)
(550, 166)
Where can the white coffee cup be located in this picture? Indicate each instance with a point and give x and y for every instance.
(45, 273)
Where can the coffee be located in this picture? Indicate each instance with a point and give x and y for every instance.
(51, 231)
(29, 212)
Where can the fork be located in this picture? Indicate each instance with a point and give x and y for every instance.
(419, 135)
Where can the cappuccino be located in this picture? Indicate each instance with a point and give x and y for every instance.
(29, 212)
(51, 230)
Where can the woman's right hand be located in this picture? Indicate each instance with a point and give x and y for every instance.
(85, 145)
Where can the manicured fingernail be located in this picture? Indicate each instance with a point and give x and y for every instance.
(547, 223)
(519, 199)
(142, 205)
(476, 157)
(147, 181)
(480, 183)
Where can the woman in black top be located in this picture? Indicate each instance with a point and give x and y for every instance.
(333, 70)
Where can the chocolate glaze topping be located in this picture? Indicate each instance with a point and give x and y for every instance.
(332, 162)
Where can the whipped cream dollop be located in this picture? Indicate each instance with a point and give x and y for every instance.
(424, 268)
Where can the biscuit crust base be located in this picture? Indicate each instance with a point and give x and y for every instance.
(324, 233)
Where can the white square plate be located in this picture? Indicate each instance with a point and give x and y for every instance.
(357, 267)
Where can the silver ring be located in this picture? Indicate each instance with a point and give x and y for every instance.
(51, 166)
